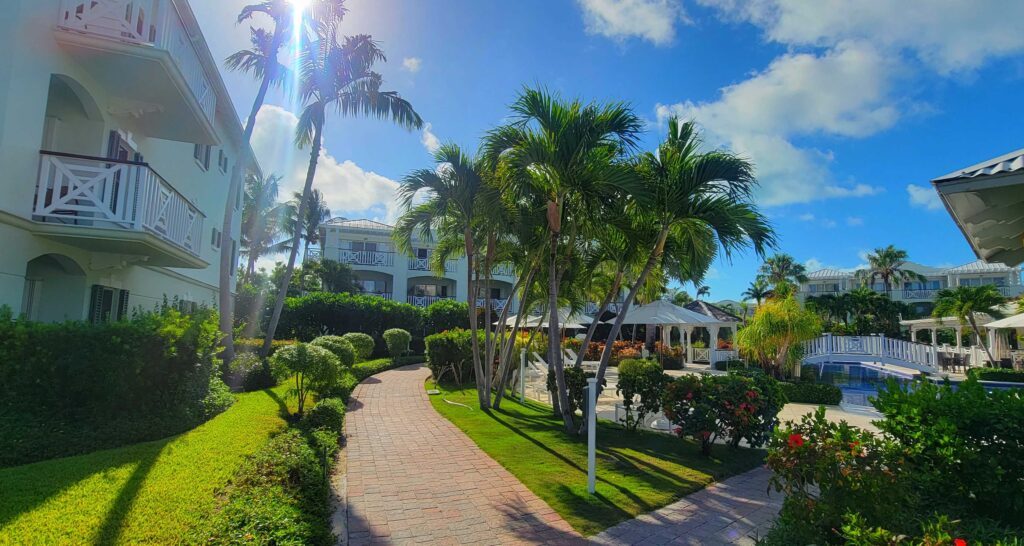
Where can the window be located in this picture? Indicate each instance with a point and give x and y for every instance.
(107, 304)
(372, 287)
(222, 161)
(215, 237)
(430, 290)
(201, 153)
(422, 253)
(496, 294)
(361, 245)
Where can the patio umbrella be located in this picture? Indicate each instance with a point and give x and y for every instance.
(566, 319)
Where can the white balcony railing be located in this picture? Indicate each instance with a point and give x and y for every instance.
(95, 192)
(423, 301)
(154, 23)
(423, 264)
(366, 257)
(497, 304)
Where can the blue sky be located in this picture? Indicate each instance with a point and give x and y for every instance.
(846, 109)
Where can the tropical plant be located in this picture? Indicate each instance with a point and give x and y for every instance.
(703, 291)
(759, 290)
(562, 157)
(888, 264)
(262, 63)
(694, 203)
(644, 380)
(337, 76)
(964, 302)
(774, 336)
(317, 212)
(263, 220)
(334, 276)
(681, 297)
(783, 273)
(315, 369)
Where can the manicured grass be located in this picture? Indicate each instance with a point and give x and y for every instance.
(636, 472)
(153, 492)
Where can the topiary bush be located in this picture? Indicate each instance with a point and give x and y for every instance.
(812, 393)
(362, 343)
(644, 380)
(304, 318)
(328, 414)
(316, 370)
(340, 347)
(397, 341)
(450, 354)
(444, 315)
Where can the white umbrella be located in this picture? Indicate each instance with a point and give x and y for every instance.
(1016, 321)
(566, 319)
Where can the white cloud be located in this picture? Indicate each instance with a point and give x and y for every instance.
(347, 187)
(429, 139)
(846, 91)
(651, 20)
(412, 64)
(806, 217)
(814, 264)
(924, 197)
(946, 35)
(854, 221)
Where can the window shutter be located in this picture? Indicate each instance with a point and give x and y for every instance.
(112, 145)
(96, 304)
(122, 304)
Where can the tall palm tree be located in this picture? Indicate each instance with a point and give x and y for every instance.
(888, 264)
(566, 153)
(759, 290)
(963, 302)
(262, 63)
(263, 219)
(696, 202)
(703, 290)
(783, 272)
(336, 76)
(454, 188)
(317, 212)
(681, 297)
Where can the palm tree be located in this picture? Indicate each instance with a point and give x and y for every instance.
(262, 62)
(565, 153)
(963, 302)
(317, 212)
(783, 272)
(759, 290)
(703, 290)
(263, 220)
(887, 264)
(696, 202)
(681, 297)
(340, 77)
(454, 189)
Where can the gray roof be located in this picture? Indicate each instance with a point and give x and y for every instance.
(713, 311)
(979, 266)
(1004, 164)
(823, 274)
(359, 224)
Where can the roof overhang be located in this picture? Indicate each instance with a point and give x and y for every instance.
(989, 210)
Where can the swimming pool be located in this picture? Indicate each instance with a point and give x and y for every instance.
(858, 381)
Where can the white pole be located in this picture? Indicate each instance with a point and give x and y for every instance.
(591, 433)
(522, 375)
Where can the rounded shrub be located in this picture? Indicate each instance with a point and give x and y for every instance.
(339, 346)
(328, 413)
(641, 383)
(362, 343)
(316, 369)
(397, 341)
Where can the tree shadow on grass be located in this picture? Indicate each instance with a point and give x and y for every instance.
(282, 405)
(113, 525)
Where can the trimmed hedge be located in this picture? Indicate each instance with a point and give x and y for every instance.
(305, 318)
(450, 354)
(398, 341)
(997, 374)
(94, 386)
(362, 343)
(254, 345)
(444, 315)
(812, 393)
(339, 346)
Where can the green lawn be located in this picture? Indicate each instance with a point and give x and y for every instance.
(636, 472)
(152, 492)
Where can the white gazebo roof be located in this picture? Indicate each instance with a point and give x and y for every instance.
(1016, 321)
(945, 322)
(566, 319)
(664, 312)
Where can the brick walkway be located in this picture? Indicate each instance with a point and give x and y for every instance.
(737, 510)
(414, 478)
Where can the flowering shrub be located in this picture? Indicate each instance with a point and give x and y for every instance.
(621, 350)
(725, 344)
(689, 406)
(572, 343)
(644, 380)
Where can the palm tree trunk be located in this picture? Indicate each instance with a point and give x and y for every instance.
(977, 332)
(282, 292)
(554, 339)
(305, 253)
(225, 297)
(616, 285)
(483, 396)
(617, 325)
(506, 353)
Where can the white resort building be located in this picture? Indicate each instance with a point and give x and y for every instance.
(117, 137)
(920, 295)
(381, 270)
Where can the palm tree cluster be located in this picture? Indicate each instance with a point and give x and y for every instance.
(888, 265)
(861, 311)
(562, 192)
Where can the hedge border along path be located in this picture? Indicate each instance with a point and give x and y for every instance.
(152, 492)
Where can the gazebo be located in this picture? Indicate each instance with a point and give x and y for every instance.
(998, 343)
(668, 315)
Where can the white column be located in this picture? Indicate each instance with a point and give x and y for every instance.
(959, 338)
(935, 337)
(688, 333)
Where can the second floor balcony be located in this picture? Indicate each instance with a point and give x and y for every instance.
(371, 258)
(422, 263)
(119, 207)
(142, 53)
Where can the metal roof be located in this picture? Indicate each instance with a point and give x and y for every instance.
(1004, 164)
(979, 266)
(360, 224)
(712, 311)
(829, 274)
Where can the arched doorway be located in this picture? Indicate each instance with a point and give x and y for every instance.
(74, 123)
(55, 289)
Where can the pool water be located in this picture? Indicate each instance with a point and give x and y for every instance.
(858, 381)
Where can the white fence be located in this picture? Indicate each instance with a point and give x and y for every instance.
(878, 349)
(147, 22)
(95, 192)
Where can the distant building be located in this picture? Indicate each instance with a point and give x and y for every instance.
(920, 295)
(117, 140)
(382, 271)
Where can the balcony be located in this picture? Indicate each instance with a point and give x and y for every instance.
(424, 301)
(503, 270)
(118, 207)
(498, 305)
(423, 264)
(372, 258)
(141, 52)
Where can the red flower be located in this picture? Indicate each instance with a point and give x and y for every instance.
(959, 542)
(751, 395)
(796, 440)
